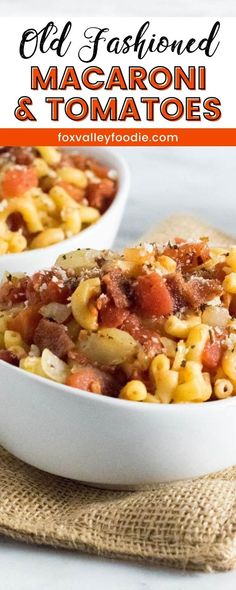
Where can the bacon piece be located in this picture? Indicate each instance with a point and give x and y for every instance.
(199, 291)
(101, 194)
(5, 149)
(79, 161)
(91, 379)
(12, 293)
(192, 293)
(98, 169)
(188, 255)
(48, 286)
(43, 287)
(6, 294)
(53, 336)
(9, 357)
(24, 156)
(15, 222)
(219, 272)
(118, 288)
(152, 295)
(176, 286)
(149, 339)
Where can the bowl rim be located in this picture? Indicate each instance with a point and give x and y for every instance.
(113, 401)
(121, 195)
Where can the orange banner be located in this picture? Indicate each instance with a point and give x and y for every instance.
(119, 137)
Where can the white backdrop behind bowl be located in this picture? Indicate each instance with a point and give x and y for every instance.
(165, 180)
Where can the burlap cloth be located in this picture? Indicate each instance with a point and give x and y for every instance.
(189, 524)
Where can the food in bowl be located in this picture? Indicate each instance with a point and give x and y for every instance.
(156, 324)
(48, 195)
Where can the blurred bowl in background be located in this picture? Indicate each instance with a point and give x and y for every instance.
(100, 235)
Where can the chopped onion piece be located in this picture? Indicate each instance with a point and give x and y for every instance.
(78, 259)
(84, 260)
(108, 346)
(54, 367)
(217, 317)
(56, 311)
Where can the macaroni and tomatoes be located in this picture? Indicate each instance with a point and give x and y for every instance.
(156, 324)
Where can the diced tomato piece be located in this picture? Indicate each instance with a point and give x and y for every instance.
(91, 379)
(84, 379)
(76, 193)
(25, 322)
(111, 316)
(17, 180)
(153, 296)
(211, 355)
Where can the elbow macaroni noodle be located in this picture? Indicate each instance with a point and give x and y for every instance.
(84, 313)
(134, 391)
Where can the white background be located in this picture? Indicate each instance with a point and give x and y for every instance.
(120, 8)
(16, 71)
(167, 176)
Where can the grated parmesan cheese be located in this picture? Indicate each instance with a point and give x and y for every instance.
(3, 205)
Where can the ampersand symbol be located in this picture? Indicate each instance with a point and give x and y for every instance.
(22, 111)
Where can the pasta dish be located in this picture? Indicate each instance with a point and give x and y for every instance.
(156, 324)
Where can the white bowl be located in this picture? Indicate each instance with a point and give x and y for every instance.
(110, 442)
(99, 235)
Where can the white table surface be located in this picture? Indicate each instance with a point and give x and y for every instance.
(163, 180)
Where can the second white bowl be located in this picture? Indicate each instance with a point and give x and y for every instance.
(100, 235)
